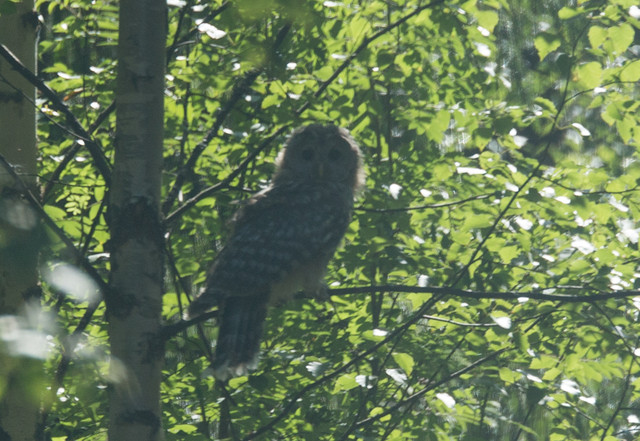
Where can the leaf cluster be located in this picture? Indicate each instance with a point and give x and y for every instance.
(501, 144)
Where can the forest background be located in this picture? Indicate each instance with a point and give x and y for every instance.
(487, 288)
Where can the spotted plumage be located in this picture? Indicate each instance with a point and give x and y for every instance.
(282, 240)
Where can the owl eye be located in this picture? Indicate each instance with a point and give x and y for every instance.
(334, 154)
(307, 154)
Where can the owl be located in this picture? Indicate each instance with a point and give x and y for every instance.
(282, 240)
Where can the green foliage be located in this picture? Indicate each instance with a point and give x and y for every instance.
(501, 142)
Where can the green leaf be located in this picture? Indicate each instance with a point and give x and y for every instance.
(438, 125)
(184, 428)
(509, 376)
(551, 374)
(405, 361)
(478, 221)
(631, 71)
(271, 100)
(507, 254)
(546, 105)
(621, 37)
(54, 212)
(487, 19)
(566, 13)
(597, 35)
(545, 43)
(345, 382)
(626, 128)
(588, 75)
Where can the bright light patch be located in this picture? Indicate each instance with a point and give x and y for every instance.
(547, 192)
(397, 375)
(570, 387)
(211, 31)
(581, 129)
(588, 400)
(21, 340)
(483, 49)
(72, 282)
(364, 381)
(628, 231)
(447, 399)
(582, 245)
(525, 224)
(394, 190)
(503, 322)
(534, 378)
(614, 203)
(511, 187)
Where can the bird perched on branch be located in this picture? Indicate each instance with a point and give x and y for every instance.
(282, 240)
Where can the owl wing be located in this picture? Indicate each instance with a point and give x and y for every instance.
(278, 230)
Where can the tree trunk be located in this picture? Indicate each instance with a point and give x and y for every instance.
(134, 300)
(20, 372)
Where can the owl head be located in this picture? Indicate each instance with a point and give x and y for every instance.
(320, 154)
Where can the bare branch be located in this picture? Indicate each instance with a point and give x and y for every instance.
(71, 152)
(225, 182)
(237, 92)
(94, 149)
(505, 295)
(426, 206)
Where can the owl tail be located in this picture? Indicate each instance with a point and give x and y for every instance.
(239, 336)
(201, 304)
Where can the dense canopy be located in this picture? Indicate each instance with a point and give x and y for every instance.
(487, 287)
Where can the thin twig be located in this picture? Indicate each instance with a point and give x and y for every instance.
(35, 204)
(362, 46)
(506, 295)
(294, 399)
(426, 206)
(432, 386)
(237, 92)
(226, 181)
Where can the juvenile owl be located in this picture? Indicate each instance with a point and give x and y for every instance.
(282, 240)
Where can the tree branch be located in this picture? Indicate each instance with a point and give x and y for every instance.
(71, 152)
(426, 206)
(226, 181)
(35, 204)
(434, 385)
(441, 292)
(237, 92)
(506, 295)
(294, 399)
(362, 46)
(96, 152)
(177, 41)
